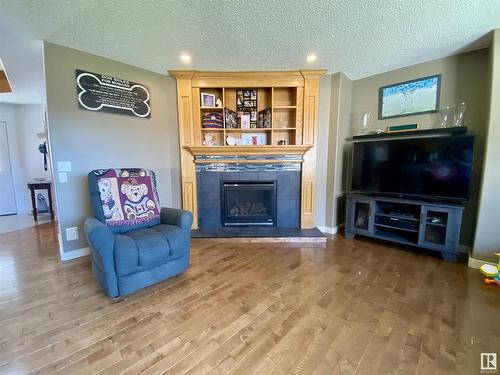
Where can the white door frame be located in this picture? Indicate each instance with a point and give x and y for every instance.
(10, 169)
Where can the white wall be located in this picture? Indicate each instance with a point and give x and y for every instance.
(23, 124)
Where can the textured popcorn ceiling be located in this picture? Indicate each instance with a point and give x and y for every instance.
(359, 38)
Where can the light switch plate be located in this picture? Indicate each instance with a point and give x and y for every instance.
(72, 234)
(64, 166)
(63, 177)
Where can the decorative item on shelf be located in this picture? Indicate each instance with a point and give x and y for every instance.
(245, 121)
(231, 140)
(209, 140)
(213, 120)
(246, 105)
(264, 119)
(218, 103)
(282, 142)
(444, 114)
(254, 139)
(459, 114)
(231, 120)
(401, 128)
(413, 97)
(207, 100)
(253, 119)
(359, 123)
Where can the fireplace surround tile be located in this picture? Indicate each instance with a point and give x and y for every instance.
(288, 185)
(267, 175)
(209, 194)
(208, 186)
(249, 176)
(288, 213)
(229, 176)
(209, 214)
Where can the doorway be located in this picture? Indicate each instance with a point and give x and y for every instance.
(7, 193)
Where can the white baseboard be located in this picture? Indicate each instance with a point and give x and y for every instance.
(476, 263)
(331, 230)
(75, 254)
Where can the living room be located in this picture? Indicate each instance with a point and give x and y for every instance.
(256, 188)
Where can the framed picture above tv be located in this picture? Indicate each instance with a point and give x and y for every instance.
(409, 98)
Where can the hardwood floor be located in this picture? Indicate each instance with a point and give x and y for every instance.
(357, 306)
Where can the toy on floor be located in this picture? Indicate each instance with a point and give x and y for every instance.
(491, 272)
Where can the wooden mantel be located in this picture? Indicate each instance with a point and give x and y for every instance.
(274, 87)
(249, 150)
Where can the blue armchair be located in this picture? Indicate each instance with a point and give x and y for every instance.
(133, 242)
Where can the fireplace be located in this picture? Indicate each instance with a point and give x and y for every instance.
(248, 203)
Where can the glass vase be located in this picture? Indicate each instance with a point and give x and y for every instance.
(459, 115)
(445, 114)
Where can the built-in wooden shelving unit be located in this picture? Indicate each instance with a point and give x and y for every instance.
(292, 97)
(283, 102)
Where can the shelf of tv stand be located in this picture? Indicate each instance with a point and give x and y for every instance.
(397, 216)
(393, 237)
(441, 225)
(396, 228)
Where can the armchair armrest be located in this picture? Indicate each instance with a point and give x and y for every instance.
(102, 243)
(179, 218)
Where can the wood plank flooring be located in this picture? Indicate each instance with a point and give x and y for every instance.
(350, 307)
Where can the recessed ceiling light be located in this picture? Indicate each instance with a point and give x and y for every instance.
(185, 58)
(311, 58)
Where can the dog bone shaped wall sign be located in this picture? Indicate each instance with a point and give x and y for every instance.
(96, 94)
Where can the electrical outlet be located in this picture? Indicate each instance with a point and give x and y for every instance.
(64, 166)
(63, 177)
(72, 234)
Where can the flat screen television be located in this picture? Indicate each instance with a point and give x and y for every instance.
(436, 168)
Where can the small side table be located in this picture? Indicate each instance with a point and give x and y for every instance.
(32, 186)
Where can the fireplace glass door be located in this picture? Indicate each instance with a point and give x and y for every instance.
(249, 203)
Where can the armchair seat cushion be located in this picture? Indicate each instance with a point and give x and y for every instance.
(142, 249)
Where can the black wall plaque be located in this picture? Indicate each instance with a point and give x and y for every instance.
(98, 92)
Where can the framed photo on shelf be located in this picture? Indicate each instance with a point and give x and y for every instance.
(245, 121)
(408, 98)
(231, 119)
(253, 139)
(246, 105)
(207, 100)
(264, 119)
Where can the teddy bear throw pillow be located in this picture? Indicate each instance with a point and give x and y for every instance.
(128, 196)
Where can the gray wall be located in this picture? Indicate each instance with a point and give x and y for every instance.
(464, 78)
(91, 140)
(487, 239)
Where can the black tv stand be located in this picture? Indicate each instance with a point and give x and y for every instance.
(430, 225)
